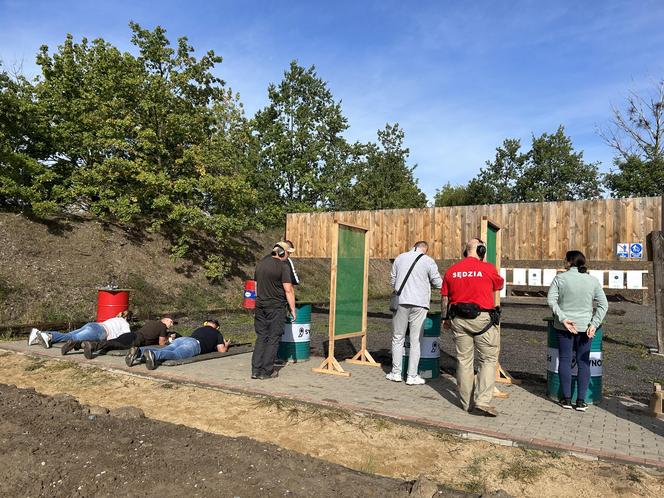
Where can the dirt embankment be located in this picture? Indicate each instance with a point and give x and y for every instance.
(367, 444)
(50, 271)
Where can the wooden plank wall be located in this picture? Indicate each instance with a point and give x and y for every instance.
(530, 231)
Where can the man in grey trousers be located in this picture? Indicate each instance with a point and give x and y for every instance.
(414, 303)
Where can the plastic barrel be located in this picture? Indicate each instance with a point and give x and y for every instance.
(294, 344)
(110, 302)
(249, 301)
(429, 367)
(554, 389)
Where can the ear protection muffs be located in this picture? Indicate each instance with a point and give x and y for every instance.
(278, 251)
(480, 249)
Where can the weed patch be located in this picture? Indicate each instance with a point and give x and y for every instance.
(522, 469)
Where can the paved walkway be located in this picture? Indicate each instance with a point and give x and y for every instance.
(616, 429)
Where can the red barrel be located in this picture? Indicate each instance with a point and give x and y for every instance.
(110, 302)
(249, 295)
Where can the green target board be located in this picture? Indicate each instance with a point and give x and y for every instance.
(350, 281)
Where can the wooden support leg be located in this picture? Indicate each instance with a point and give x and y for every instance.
(332, 367)
(363, 357)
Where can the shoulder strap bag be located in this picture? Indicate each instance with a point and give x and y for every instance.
(394, 297)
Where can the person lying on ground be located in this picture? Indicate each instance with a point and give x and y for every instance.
(152, 333)
(205, 339)
(92, 331)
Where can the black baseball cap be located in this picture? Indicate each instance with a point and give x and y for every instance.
(212, 320)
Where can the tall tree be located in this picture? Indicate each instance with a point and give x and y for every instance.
(302, 153)
(555, 172)
(451, 195)
(154, 139)
(637, 136)
(25, 183)
(382, 178)
(496, 183)
(550, 171)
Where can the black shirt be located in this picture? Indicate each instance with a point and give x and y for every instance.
(271, 274)
(152, 331)
(209, 337)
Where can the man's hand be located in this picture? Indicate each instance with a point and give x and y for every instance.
(447, 324)
(591, 331)
(293, 315)
(570, 326)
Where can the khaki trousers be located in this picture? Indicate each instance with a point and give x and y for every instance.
(487, 345)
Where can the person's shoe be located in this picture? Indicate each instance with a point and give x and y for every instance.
(67, 346)
(44, 339)
(273, 375)
(255, 375)
(415, 381)
(581, 406)
(486, 410)
(89, 347)
(150, 362)
(33, 338)
(131, 356)
(566, 403)
(394, 377)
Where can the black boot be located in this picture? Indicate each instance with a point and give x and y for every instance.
(68, 346)
(89, 348)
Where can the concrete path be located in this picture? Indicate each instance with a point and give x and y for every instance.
(617, 429)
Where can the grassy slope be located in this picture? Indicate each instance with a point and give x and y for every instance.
(50, 271)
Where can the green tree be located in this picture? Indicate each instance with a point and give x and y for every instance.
(381, 177)
(25, 183)
(153, 140)
(496, 182)
(303, 156)
(637, 135)
(550, 171)
(452, 195)
(555, 172)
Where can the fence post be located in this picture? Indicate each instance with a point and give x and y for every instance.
(658, 270)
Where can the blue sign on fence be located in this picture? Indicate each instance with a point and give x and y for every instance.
(636, 250)
(622, 250)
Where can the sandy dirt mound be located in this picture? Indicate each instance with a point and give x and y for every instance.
(367, 444)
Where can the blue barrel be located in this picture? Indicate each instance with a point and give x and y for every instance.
(295, 343)
(554, 389)
(429, 367)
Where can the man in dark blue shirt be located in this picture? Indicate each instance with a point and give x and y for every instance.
(205, 339)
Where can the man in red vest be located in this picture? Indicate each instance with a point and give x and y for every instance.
(468, 309)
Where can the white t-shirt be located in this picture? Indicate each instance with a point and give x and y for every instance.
(115, 327)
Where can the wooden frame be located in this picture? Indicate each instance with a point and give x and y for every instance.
(330, 365)
(502, 376)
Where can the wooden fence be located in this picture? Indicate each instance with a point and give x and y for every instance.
(530, 231)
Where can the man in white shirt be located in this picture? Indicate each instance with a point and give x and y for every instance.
(414, 300)
(93, 331)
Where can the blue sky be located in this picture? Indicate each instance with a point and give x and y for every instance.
(458, 76)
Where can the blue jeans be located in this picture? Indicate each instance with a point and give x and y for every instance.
(89, 332)
(179, 349)
(567, 343)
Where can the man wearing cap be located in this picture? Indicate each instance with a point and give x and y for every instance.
(295, 278)
(205, 339)
(152, 333)
(275, 296)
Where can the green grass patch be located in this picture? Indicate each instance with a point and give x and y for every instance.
(522, 469)
(34, 364)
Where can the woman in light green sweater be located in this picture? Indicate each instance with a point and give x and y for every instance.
(571, 298)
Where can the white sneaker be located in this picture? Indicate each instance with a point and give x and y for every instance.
(415, 381)
(32, 340)
(44, 339)
(394, 377)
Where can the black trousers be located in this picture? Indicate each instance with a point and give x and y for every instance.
(124, 341)
(269, 326)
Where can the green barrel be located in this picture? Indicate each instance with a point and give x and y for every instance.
(429, 367)
(554, 389)
(294, 344)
